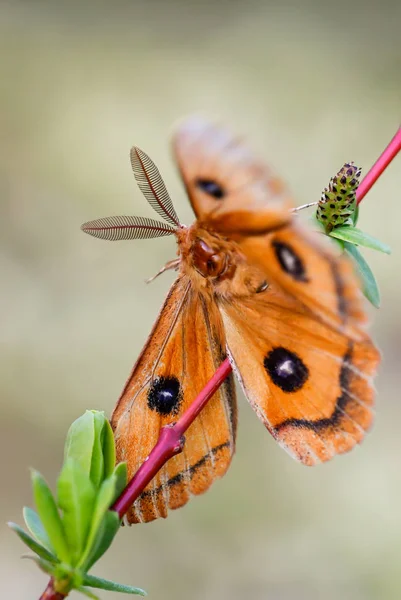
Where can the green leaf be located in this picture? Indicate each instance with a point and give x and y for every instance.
(112, 586)
(50, 517)
(90, 441)
(76, 498)
(104, 500)
(80, 439)
(97, 463)
(120, 473)
(109, 450)
(33, 544)
(104, 454)
(99, 529)
(105, 523)
(35, 526)
(86, 592)
(369, 284)
(355, 216)
(110, 526)
(101, 539)
(107, 493)
(356, 236)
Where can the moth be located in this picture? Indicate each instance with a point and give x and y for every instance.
(255, 285)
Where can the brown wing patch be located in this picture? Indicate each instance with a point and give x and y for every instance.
(229, 188)
(179, 358)
(311, 385)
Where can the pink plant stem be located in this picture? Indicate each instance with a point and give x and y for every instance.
(50, 593)
(171, 439)
(382, 163)
(170, 442)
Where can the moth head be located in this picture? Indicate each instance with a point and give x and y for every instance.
(208, 261)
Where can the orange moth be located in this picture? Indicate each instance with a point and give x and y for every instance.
(255, 285)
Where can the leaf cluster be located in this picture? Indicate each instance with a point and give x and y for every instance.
(71, 530)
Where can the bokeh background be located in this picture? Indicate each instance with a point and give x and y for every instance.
(313, 85)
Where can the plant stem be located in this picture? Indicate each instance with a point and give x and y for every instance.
(171, 439)
(382, 163)
(50, 593)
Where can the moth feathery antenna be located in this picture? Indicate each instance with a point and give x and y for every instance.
(127, 228)
(152, 185)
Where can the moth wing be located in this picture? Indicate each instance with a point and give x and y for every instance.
(180, 356)
(310, 384)
(229, 188)
(306, 265)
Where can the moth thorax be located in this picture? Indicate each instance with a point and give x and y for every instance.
(208, 261)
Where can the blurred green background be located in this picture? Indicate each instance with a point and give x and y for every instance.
(312, 85)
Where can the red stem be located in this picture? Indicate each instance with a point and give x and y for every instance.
(382, 163)
(50, 593)
(170, 442)
(171, 439)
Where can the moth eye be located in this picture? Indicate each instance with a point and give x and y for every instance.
(206, 261)
(165, 395)
(215, 265)
(289, 260)
(286, 369)
(210, 265)
(211, 187)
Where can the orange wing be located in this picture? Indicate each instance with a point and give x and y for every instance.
(229, 188)
(233, 192)
(182, 353)
(310, 384)
(305, 264)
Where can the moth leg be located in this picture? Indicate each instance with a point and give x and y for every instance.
(171, 264)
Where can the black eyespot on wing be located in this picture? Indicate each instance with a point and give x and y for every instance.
(341, 404)
(290, 262)
(165, 395)
(286, 369)
(211, 187)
